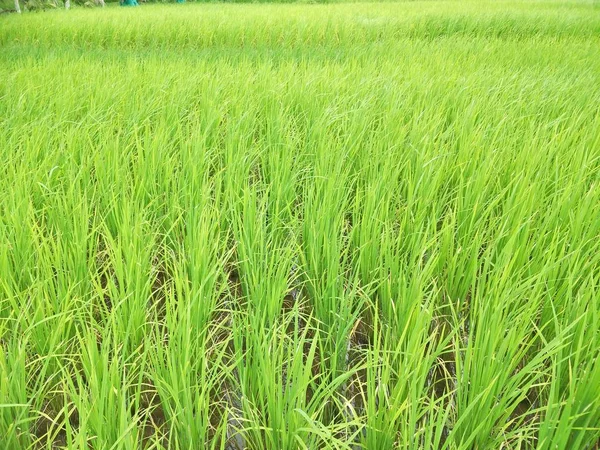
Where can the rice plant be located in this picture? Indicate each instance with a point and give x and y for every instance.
(338, 226)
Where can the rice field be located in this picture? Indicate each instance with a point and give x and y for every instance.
(303, 226)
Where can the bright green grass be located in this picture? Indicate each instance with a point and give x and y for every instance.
(297, 227)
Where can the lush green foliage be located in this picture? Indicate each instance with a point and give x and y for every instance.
(347, 226)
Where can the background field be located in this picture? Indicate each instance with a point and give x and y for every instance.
(301, 226)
